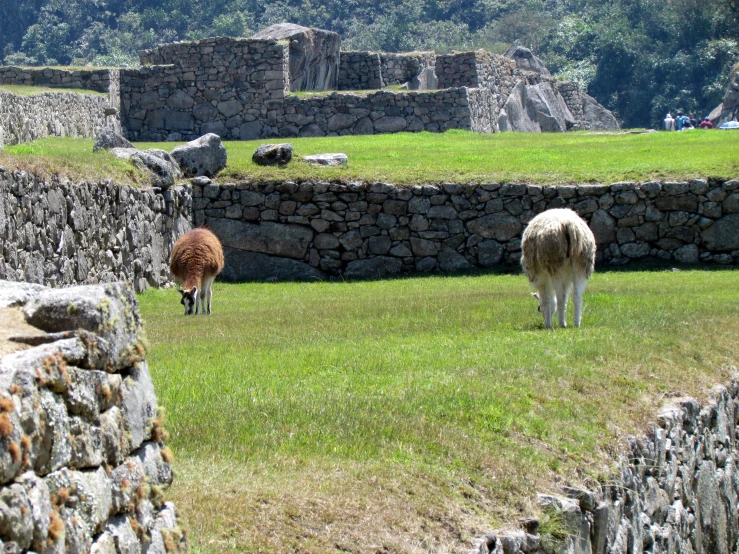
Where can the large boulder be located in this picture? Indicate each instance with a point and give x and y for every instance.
(162, 167)
(525, 59)
(314, 55)
(596, 117)
(552, 112)
(542, 108)
(729, 108)
(107, 138)
(518, 114)
(203, 156)
(425, 80)
(93, 309)
(273, 154)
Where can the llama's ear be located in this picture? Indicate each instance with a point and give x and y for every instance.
(194, 291)
(535, 295)
(181, 291)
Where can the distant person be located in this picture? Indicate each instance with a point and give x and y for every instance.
(693, 120)
(706, 124)
(684, 123)
(669, 123)
(679, 121)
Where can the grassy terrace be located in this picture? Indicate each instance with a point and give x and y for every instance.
(454, 156)
(23, 90)
(411, 415)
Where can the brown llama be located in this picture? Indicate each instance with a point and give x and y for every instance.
(197, 258)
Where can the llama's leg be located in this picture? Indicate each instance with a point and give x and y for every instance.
(547, 304)
(203, 297)
(563, 293)
(580, 283)
(208, 296)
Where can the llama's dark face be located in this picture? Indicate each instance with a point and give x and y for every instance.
(189, 299)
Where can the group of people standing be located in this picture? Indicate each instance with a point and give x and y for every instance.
(682, 122)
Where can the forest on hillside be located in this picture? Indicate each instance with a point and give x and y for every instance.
(640, 58)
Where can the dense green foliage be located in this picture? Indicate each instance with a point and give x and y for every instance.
(640, 58)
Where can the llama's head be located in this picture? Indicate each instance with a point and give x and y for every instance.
(189, 299)
(538, 300)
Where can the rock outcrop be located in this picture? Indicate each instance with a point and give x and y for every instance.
(525, 59)
(273, 154)
(729, 108)
(203, 156)
(314, 55)
(160, 165)
(82, 459)
(675, 491)
(108, 138)
(553, 107)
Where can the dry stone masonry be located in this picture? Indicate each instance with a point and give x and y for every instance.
(65, 233)
(61, 114)
(234, 88)
(238, 89)
(314, 55)
(383, 112)
(675, 492)
(82, 463)
(87, 79)
(290, 230)
(73, 233)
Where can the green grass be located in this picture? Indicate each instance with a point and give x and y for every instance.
(412, 415)
(451, 157)
(69, 157)
(23, 90)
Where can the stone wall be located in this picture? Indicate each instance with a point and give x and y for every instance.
(372, 70)
(234, 88)
(352, 230)
(83, 465)
(570, 91)
(481, 69)
(88, 79)
(401, 68)
(483, 112)
(675, 492)
(360, 71)
(66, 233)
(379, 112)
(61, 114)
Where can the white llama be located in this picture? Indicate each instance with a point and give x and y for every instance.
(558, 256)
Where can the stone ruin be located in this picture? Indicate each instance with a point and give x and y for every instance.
(240, 90)
(314, 55)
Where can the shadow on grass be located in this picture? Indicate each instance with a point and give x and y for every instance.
(653, 266)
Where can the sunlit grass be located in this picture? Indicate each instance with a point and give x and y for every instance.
(451, 157)
(23, 90)
(72, 158)
(414, 413)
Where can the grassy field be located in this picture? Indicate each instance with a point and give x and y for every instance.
(23, 90)
(454, 156)
(412, 415)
